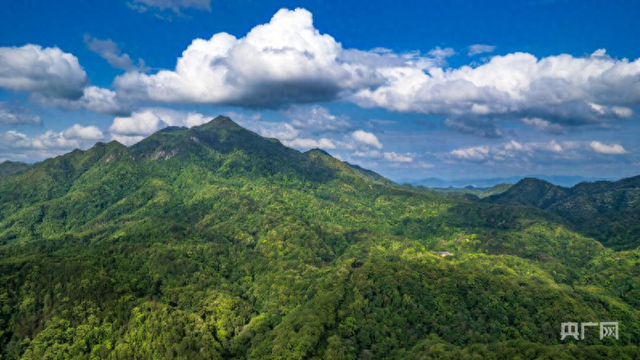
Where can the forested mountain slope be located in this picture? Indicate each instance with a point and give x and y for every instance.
(607, 211)
(12, 167)
(213, 243)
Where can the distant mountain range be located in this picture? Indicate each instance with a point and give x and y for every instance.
(560, 180)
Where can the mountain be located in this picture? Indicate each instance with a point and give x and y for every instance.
(470, 190)
(12, 167)
(559, 180)
(607, 211)
(216, 243)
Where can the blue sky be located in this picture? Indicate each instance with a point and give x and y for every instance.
(410, 89)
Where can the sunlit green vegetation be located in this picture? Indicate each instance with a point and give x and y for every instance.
(215, 243)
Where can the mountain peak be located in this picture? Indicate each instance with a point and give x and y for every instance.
(221, 121)
(532, 192)
(317, 150)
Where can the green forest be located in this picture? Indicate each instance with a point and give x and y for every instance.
(216, 243)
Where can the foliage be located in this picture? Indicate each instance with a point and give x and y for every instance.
(213, 242)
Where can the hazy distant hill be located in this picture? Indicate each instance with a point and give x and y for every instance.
(490, 182)
(216, 243)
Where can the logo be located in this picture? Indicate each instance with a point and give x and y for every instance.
(608, 329)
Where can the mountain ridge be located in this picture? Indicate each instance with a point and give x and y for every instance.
(216, 243)
(597, 207)
(560, 180)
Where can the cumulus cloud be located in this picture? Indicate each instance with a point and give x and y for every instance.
(54, 78)
(561, 89)
(366, 138)
(16, 145)
(12, 113)
(49, 72)
(79, 132)
(480, 49)
(514, 153)
(133, 128)
(471, 153)
(286, 61)
(613, 149)
(93, 98)
(139, 123)
(109, 50)
(306, 127)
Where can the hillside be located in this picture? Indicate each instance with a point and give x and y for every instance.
(12, 167)
(607, 211)
(216, 243)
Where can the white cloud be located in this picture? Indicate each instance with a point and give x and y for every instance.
(398, 158)
(440, 54)
(304, 143)
(471, 153)
(519, 154)
(12, 113)
(80, 132)
(54, 78)
(49, 72)
(109, 50)
(480, 49)
(127, 139)
(283, 62)
(561, 89)
(195, 119)
(542, 124)
(93, 98)
(139, 123)
(366, 138)
(367, 154)
(101, 100)
(288, 61)
(16, 145)
(621, 111)
(277, 130)
(131, 129)
(613, 149)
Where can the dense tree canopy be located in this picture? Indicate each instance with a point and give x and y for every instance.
(216, 243)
